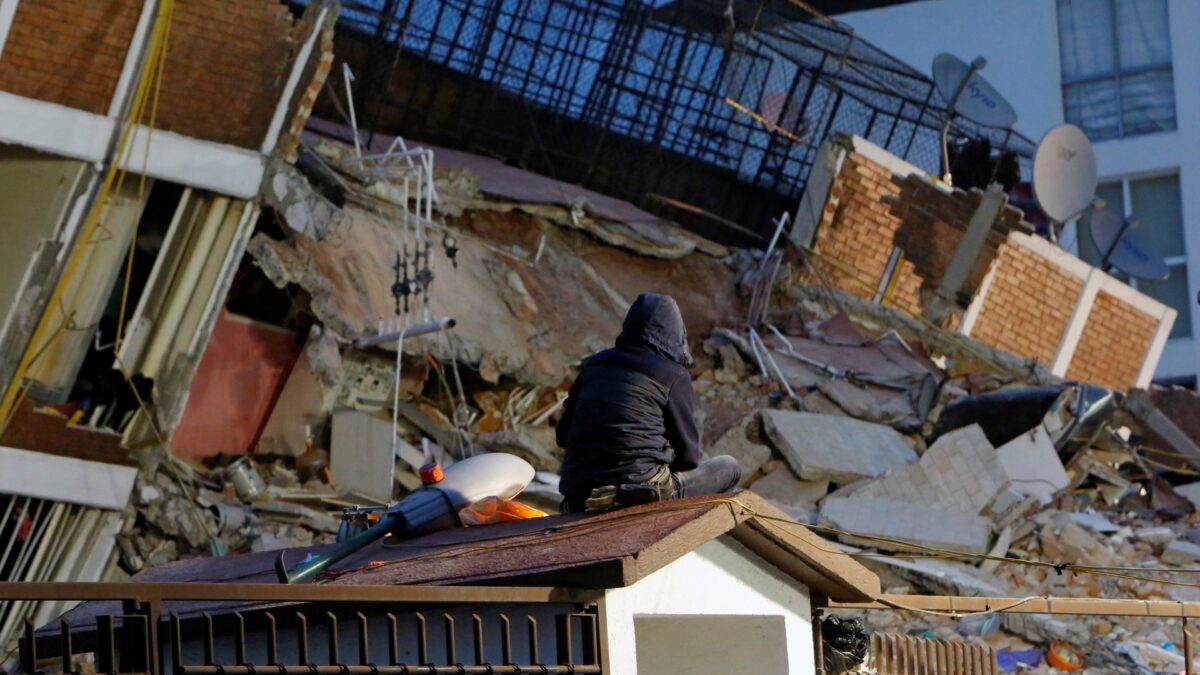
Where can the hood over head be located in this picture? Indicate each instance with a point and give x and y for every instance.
(654, 322)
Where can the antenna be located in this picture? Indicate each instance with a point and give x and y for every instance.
(1119, 242)
(1064, 175)
(966, 93)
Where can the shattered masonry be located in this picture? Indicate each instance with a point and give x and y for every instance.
(237, 415)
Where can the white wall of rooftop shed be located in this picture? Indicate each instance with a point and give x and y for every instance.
(721, 578)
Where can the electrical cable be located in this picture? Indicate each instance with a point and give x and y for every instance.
(92, 223)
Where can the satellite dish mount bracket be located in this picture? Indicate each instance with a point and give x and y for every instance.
(977, 65)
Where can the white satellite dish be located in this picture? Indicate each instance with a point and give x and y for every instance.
(1064, 173)
(968, 94)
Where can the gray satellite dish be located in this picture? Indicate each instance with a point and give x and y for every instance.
(1064, 174)
(968, 94)
(1118, 242)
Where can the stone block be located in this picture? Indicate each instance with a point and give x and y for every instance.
(838, 449)
(959, 472)
(1155, 535)
(1033, 466)
(1181, 553)
(736, 443)
(797, 498)
(916, 523)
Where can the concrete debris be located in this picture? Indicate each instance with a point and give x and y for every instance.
(1074, 544)
(1094, 522)
(892, 524)
(893, 433)
(960, 472)
(304, 209)
(795, 497)
(533, 444)
(868, 404)
(1190, 492)
(1033, 466)
(838, 449)
(750, 453)
(1181, 553)
(1155, 535)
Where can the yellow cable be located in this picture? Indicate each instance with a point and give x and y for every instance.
(158, 67)
(13, 390)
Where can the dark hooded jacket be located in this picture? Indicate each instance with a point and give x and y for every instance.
(630, 410)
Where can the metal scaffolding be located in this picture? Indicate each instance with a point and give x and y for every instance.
(656, 103)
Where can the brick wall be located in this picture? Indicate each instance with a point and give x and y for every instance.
(871, 210)
(1113, 345)
(227, 64)
(855, 235)
(68, 52)
(227, 61)
(1028, 304)
(1033, 289)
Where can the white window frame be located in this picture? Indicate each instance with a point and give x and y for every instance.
(1173, 261)
(1116, 74)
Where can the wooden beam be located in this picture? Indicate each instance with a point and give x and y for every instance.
(1037, 605)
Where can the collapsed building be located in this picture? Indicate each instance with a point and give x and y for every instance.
(191, 331)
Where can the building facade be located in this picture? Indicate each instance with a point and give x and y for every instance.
(1119, 69)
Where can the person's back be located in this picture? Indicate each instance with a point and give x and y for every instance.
(628, 420)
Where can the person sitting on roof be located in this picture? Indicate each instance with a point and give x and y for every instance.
(627, 424)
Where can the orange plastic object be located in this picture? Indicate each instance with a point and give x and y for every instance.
(432, 473)
(1064, 656)
(491, 510)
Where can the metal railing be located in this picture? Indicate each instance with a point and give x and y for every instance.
(241, 629)
(893, 654)
(635, 99)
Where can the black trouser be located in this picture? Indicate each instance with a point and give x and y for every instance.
(714, 475)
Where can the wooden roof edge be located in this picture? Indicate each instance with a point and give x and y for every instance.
(810, 559)
(718, 519)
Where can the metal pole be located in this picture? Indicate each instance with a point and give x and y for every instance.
(414, 331)
(1187, 648)
(975, 66)
(1125, 224)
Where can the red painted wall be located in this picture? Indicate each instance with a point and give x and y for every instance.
(235, 388)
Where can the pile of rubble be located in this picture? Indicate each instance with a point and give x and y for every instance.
(948, 466)
(953, 476)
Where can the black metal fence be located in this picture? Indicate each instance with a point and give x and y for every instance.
(643, 100)
(241, 629)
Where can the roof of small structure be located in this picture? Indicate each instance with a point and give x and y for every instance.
(610, 550)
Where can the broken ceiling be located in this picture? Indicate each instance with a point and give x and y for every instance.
(566, 265)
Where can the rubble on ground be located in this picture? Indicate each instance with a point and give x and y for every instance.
(884, 432)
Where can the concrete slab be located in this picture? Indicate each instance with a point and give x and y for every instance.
(960, 472)
(1033, 465)
(360, 456)
(797, 498)
(838, 449)
(914, 523)
(1181, 553)
(750, 456)
(1190, 492)
(1155, 535)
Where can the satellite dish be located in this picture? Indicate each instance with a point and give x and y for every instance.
(1118, 242)
(1064, 173)
(968, 94)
